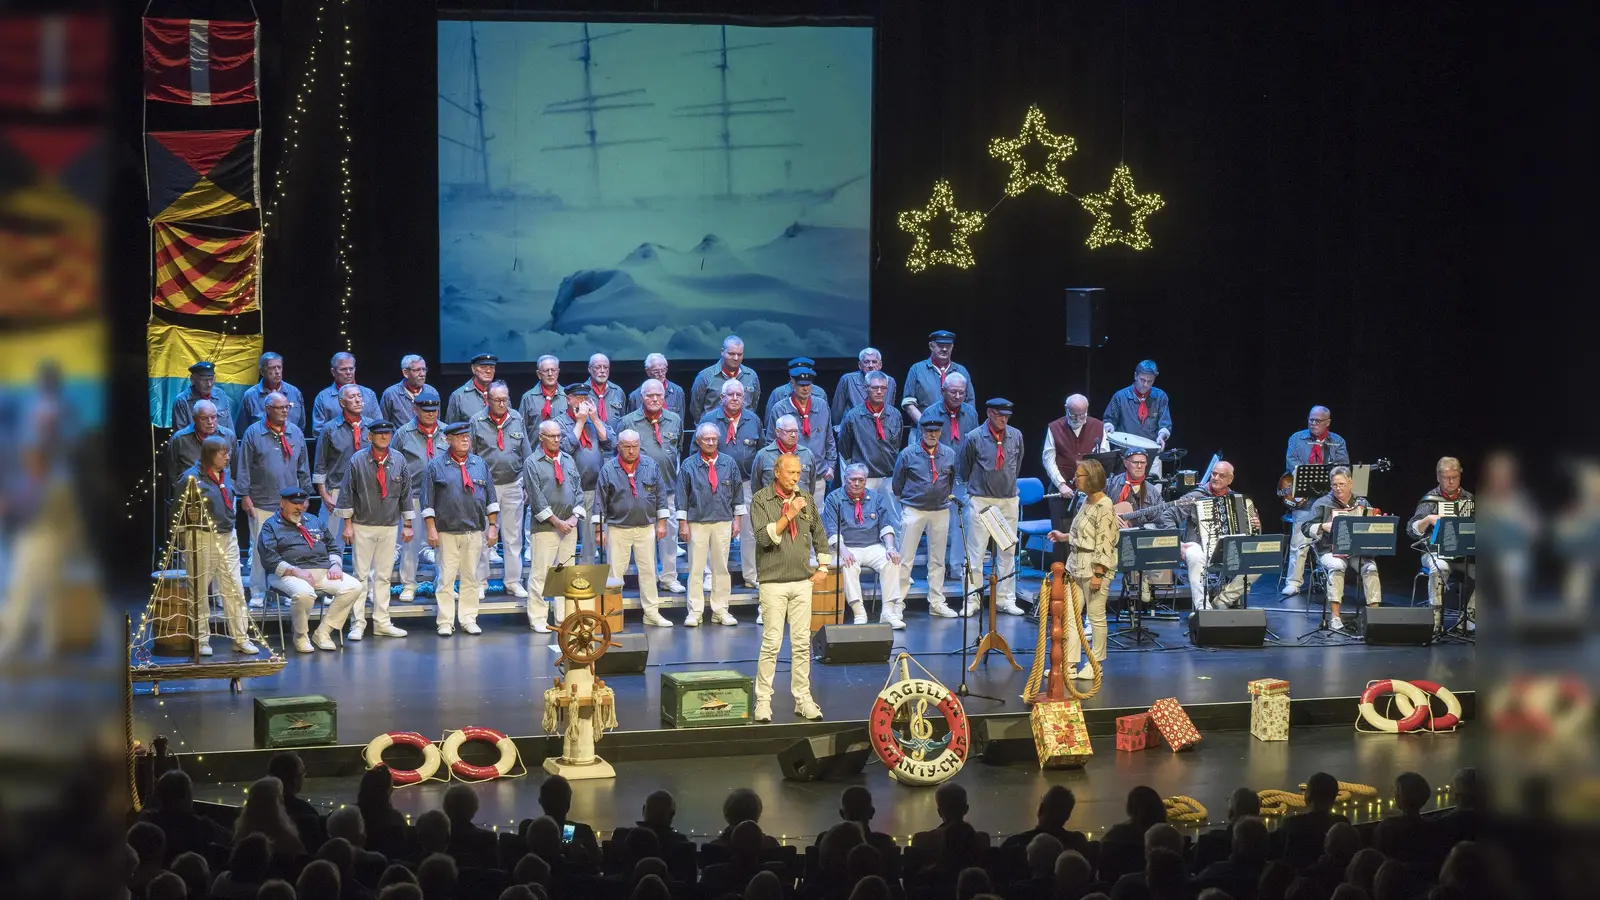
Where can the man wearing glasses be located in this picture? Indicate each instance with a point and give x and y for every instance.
(272, 456)
(400, 399)
(1314, 445)
(253, 404)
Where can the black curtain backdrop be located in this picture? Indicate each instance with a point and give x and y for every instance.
(1313, 247)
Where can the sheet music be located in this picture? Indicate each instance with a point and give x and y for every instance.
(1003, 535)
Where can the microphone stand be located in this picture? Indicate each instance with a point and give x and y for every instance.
(966, 568)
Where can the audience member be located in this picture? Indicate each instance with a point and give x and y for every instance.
(173, 812)
(744, 847)
(319, 880)
(1241, 871)
(433, 834)
(1406, 836)
(660, 808)
(1166, 875)
(1212, 894)
(864, 860)
(276, 889)
(1122, 848)
(1041, 857)
(151, 844)
(401, 890)
(1395, 881)
(855, 805)
(437, 877)
(742, 805)
(263, 813)
(950, 800)
(196, 874)
(1339, 846)
(1363, 869)
(555, 798)
(290, 770)
(833, 858)
(1348, 892)
(247, 869)
(1299, 839)
(1472, 870)
(765, 886)
(1215, 845)
(1464, 823)
(650, 887)
(395, 874)
(532, 869)
(1275, 881)
(470, 845)
(348, 823)
(1055, 809)
(1074, 877)
(343, 856)
(1160, 836)
(650, 865)
(874, 888)
(516, 892)
(384, 826)
(638, 844)
(165, 886)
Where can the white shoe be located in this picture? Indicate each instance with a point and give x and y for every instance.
(483, 591)
(1290, 589)
(408, 594)
(692, 622)
(303, 644)
(539, 627)
(205, 649)
(656, 620)
(518, 591)
(323, 640)
(894, 622)
(859, 615)
(1011, 609)
(471, 628)
(356, 631)
(941, 611)
(1083, 674)
(446, 630)
(759, 617)
(495, 557)
(672, 586)
(1336, 623)
(753, 584)
(257, 603)
(973, 606)
(705, 584)
(725, 619)
(809, 710)
(246, 646)
(763, 712)
(1472, 627)
(388, 629)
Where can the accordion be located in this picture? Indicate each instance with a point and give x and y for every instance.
(1217, 517)
(1452, 508)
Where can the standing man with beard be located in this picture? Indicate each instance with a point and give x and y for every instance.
(927, 376)
(473, 397)
(660, 432)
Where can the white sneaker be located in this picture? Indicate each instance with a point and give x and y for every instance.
(941, 611)
(495, 558)
(705, 584)
(205, 649)
(408, 594)
(518, 591)
(446, 630)
(973, 606)
(692, 621)
(471, 628)
(303, 644)
(656, 620)
(809, 710)
(894, 622)
(1010, 609)
(1290, 589)
(1083, 674)
(672, 586)
(763, 712)
(539, 627)
(257, 603)
(1336, 623)
(356, 631)
(246, 646)
(323, 640)
(759, 616)
(725, 619)
(388, 629)
(483, 591)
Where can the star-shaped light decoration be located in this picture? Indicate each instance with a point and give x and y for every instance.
(1060, 146)
(1139, 205)
(963, 225)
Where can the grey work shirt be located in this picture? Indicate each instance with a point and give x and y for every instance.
(851, 392)
(746, 437)
(967, 421)
(445, 500)
(183, 407)
(617, 502)
(697, 502)
(589, 458)
(334, 446)
(706, 392)
(1122, 413)
(878, 517)
(262, 469)
(859, 441)
(824, 447)
(1298, 453)
(1321, 513)
(914, 481)
(183, 449)
(222, 509)
(780, 558)
(253, 406)
(465, 402)
(546, 497)
(325, 407)
(976, 464)
(360, 497)
(413, 444)
(676, 400)
(667, 451)
(531, 406)
(505, 465)
(1146, 502)
(614, 401)
(398, 404)
(282, 545)
(767, 460)
(925, 384)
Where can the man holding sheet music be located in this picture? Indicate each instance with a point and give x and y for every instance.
(1449, 499)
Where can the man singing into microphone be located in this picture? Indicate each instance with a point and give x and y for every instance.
(787, 532)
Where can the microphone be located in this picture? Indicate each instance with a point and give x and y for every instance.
(1057, 496)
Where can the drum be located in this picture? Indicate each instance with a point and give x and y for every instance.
(827, 602)
(169, 615)
(1122, 440)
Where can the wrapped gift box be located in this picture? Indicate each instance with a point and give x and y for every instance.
(1135, 733)
(1131, 741)
(1060, 735)
(1269, 717)
(1173, 724)
(1267, 687)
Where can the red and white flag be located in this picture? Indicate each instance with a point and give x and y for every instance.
(199, 62)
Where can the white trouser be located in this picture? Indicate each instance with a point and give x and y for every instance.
(1231, 592)
(638, 542)
(876, 484)
(591, 547)
(408, 552)
(510, 498)
(258, 572)
(956, 545)
(708, 544)
(549, 549)
(876, 558)
(747, 539)
(1336, 566)
(819, 492)
(38, 552)
(1095, 602)
(458, 557)
(1438, 571)
(667, 547)
(219, 564)
(375, 550)
(1299, 545)
(937, 525)
(335, 535)
(978, 542)
(303, 594)
(787, 602)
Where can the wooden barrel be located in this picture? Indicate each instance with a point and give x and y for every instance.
(611, 607)
(827, 599)
(170, 613)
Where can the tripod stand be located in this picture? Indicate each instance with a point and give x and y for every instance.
(966, 568)
(1135, 633)
(1324, 632)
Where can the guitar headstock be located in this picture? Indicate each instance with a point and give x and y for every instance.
(1382, 465)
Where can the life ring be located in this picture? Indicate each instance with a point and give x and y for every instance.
(1411, 722)
(906, 758)
(1452, 706)
(470, 772)
(401, 777)
(1550, 706)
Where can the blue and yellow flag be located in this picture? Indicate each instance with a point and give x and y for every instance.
(173, 349)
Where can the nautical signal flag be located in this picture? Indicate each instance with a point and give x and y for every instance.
(200, 174)
(52, 63)
(199, 62)
(173, 349)
(49, 229)
(205, 275)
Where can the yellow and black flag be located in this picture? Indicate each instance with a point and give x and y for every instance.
(201, 174)
(202, 274)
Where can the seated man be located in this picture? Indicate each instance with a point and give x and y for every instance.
(1214, 846)
(950, 799)
(1181, 515)
(300, 560)
(1340, 500)
(861, 524)
(1055, 809)
(1299, 839)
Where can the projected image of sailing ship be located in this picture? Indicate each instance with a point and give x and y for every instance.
(657, 187)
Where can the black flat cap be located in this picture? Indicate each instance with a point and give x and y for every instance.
(485, 359)
(203, 367)
(579, 389)
(426, 402)
(457, 428)
(293, 492)
(931, 423)
(998, 404)
(943, 337)
(381, 426)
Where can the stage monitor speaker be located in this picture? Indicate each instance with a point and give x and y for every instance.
(856, 643)
(1228, 627)
(629, 659)
(1086, 317)
(837, 755)
(1397, 626)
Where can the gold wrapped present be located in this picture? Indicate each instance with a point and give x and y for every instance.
(1060, 735)
(1269, 717)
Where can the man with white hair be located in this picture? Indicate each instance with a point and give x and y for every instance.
(502, 441)
(739, 430)
(958, 418)
(810, 412)
(861, 524)
(1068, 440)
(1181, 515)
(472, 398)
(300, 560)
(375, 500)
(706, 391)
(790, 535)
(183, 448)
(1319, 528)
(272, 456)
(660, 432)
(927, 376)
(710, 506)
(924, 477)
(1313, 445)
(610, 403)
(631, 512)
(399, 400)
(252, 405)
(551, 482)
(590, 443)
(655, 368)
(852, 389)
(989, 462)
(459, 510)
(326, 406)
(543, 401)
(786, 440)
(872, 433)
(336, 443)
(418, 441)
(1449, 494)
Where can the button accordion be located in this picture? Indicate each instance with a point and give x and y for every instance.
(1217, 517)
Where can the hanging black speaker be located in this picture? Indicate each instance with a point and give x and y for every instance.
(1086, 317)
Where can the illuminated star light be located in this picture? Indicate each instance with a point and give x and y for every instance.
(1139, 205)
(963, 225)
(1060, 146)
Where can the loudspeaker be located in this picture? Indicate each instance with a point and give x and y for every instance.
(1408, 626)
(629, 659)
(1228, 627)
(1086, 317)
(835, 755)
(855, 643)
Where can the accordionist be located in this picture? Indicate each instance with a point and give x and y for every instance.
(1341, 501)
(1448, 499)
(1205, 516)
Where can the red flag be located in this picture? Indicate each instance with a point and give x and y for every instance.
(52, 63)
(198, 62)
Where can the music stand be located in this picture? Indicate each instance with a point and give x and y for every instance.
(558, 580)
(1365, 535)
(1243, 555)
(998, 540)
(1312, 480)
(1140, 550)
(1455, 538)
(1111, 461)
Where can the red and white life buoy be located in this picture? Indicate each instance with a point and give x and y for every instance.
(470, 772)
(430, 756)
(1413, 721)
(1452, 706)
(908, 759)
(1546, 705)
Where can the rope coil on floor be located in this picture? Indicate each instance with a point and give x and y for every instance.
(1185, 809)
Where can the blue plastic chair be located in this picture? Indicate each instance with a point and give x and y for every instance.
(1033, 531)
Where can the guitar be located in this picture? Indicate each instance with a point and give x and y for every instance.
(1286, 484)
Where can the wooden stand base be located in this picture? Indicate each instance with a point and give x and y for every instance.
(993, 642)
(598, 768)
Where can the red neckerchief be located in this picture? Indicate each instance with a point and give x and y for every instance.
(794, 530)
(283, 438)
(1451, 497)
(789, 449)
(583, 433)
(1315, 457)
(383, 474)
(733, 425)
(1126, 485)
(500, 429)
(547, 398)
(711, 467)
(857, 500)
(877, 417)
(428, 433)
(600, 407)
(305, 534)
(933, 463)
(734, 376)
(217, 479)
(1215, 494)
(483, 394)
(355, 432)
(955, 422)
(805, 415)
(999, 449)
(413, 394)
(942, 372)
(655, 423)
(1144, 404)
(555, 461)
(466, 480)
(629, 470)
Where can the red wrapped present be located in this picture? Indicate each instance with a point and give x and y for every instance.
(1060, 735)
(1132, 740)
(1267, 687)
(1173, 724)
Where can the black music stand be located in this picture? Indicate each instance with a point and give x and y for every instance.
(1312, 480)
(1455, 539)
(1356, 536)
(1140, 550)
(966, 568)
(1243, 555)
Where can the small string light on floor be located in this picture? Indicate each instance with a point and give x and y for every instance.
(1034, 130)
(1139, 206)
(963, 225)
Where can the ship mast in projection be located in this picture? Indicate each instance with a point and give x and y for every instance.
(477, 143)
(590, 103)
(727, 109)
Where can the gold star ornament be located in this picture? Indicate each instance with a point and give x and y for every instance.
(963, 225)
(1010, 150)
(1139, 206)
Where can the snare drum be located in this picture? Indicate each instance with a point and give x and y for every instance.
(1122, 440)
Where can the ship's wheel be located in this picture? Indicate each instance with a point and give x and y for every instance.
(584, 636)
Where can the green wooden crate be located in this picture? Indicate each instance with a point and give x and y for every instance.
(311, 721)
(702, 699)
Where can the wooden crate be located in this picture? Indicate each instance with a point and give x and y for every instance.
(704, 699)
(283, 722)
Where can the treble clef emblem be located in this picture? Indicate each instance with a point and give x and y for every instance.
(921, 729)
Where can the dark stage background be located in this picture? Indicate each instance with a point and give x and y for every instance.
(1312, 248)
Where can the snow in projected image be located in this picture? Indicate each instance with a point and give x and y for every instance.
(632, 188)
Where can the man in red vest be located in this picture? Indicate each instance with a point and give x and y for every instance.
(1068, 440)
